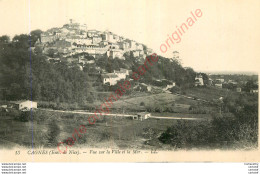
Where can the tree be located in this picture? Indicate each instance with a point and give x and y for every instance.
(51, 52)
(205, 78)
(35, 35)
(4, 39)
(250, 85)
(22, 41)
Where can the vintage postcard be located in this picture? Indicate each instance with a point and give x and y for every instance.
(129, 81)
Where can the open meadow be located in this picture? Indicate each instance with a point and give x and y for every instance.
(49, 128)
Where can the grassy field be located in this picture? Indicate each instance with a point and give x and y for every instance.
(142, 101)
(208, 93)
(16, 133)
(49, 128)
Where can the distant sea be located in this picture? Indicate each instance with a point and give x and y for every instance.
(230, 72)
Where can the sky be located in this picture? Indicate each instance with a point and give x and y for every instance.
(225, 38)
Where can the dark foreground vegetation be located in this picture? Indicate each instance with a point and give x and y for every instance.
(237, 131)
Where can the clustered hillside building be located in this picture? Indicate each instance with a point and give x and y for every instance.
(74, 38)
(231, 84)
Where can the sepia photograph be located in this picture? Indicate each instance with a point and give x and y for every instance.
(139, 80)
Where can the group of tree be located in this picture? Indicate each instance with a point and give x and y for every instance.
(25, 75)
(163, 69)
(236, 128)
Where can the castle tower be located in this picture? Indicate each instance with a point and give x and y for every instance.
(71, 21)
(176, 57)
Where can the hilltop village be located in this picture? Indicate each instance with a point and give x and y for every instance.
(80, 46)
(75, 39)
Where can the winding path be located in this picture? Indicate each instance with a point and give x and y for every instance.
(125, 115)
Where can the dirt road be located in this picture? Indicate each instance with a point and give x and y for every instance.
(125, 115)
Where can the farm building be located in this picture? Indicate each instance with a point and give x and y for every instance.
(24, 105)
(141, 116)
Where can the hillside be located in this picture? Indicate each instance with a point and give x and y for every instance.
(29, 72)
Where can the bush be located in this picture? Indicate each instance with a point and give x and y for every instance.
(159, 109)
(175, 89)
(188, 134)
(149, 109)
(25, 116)
(218, 133)
(53, 133)
(142, 104)
(105, 136)
(169, 109)
(14, 113)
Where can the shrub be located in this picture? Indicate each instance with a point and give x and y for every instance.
(105, 136)
(187, 134)
(25, 116)
(14, 113)
(159, 109)
(142, 104)
(220, 132)
(53, 133)
(175, 89)
(150, 109)
(169, 109)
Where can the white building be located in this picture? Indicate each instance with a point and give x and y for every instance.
(170, 86)
(113, 78)
(24, 105)
(141, 116)
(110, 78)
(136, 53)
(109, 36)
(199, 80)
(122, 73)
(113, 53)
(132, 44)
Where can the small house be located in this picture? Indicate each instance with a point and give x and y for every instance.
(24, 105)
(141, 116)
(110, 78)
(199, 80)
